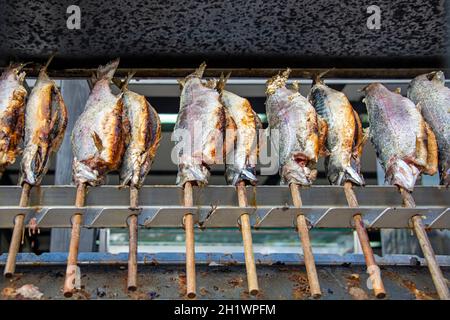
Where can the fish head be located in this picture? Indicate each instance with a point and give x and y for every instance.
(402, 174)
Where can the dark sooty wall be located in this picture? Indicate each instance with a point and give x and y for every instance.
(173, 33)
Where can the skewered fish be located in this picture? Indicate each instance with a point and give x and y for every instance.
(345, 137)
(200, 123)
(12, 114)
(432, 97)
(100, 133)
(404, 143)
(45, 126)
(145, 135)
(301, 131)
(242, 165)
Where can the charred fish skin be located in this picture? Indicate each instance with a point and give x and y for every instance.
(145, 136)
(345, 138)
(45, 126)
(202, 117)
(429, 93)
(405, 146)
(12, 114)
(100, 132)
(242, 166)
(297, 124)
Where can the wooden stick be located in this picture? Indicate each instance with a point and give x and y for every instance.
(428, 252)
(17, 235)
(190, 243)
(373, 269)
(133, 239)
(303, 232)
(252, 278)
(72, 259)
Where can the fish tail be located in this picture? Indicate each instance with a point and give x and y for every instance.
(44, 68)
(317, 77)
(123, 84)
(220, 85)
(277, 81)
(107, 71)
(401, 174)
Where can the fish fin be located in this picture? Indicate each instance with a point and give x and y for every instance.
(323, 131)
(44, 68)
(397, 90)
(360, 137)
(59, 119)
(97, 141)
(432, 152)
(199, 71)
(230, 135)
(181, 82)
(296, 86)
(419, 106)
(220, 84)
(317, 77)
(106, 72)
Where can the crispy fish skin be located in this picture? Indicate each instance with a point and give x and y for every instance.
(12, 114)
(145, 136)
(45, 126)
(404, 144)
(201, 116)
(345, 138)
(242, 166)
(298, 127)
(429, 93)
(101, 131)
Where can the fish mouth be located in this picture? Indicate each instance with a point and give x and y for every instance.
(298, 172)
(193, 172)
(402, 174)
(236, 175)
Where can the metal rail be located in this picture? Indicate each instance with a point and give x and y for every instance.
(217, 207)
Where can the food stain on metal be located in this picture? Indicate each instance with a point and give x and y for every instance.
(354, 289)
(301, 285)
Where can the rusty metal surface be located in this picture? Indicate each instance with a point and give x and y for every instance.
(224, 282)
(340, 73)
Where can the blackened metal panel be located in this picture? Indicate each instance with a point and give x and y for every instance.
(237, 33)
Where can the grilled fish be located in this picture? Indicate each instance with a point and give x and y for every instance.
(12, 114)
(432, 97)
(145, 135)
(345, 137)
(101, 132)
(45, 126)
(404, 143)
(242, 165)
(301, 132)
(201, 119)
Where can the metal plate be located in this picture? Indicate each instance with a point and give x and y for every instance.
(400, 217)
(58, 217)
(109, 217)
(7, 215)
(285, 217)
(442, 221)
(167, 217)
(225, 217)
(343, 217)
